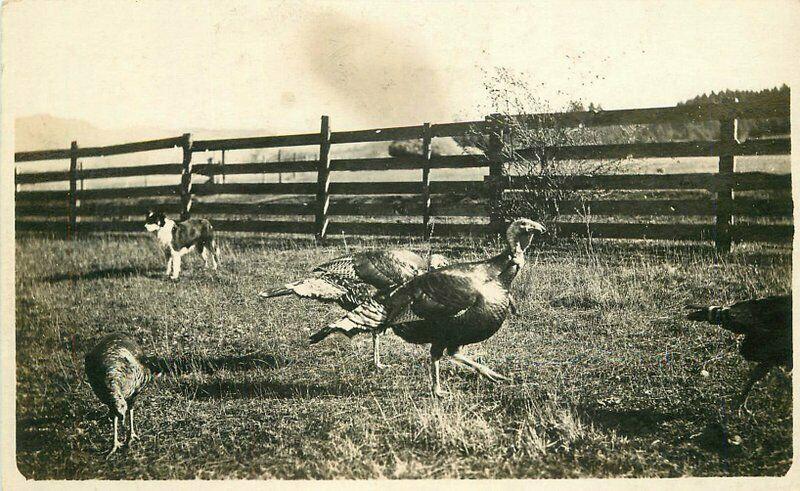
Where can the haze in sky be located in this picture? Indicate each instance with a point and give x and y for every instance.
(280, 65)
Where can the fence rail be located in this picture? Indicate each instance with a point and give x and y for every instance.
(746, 207)
(66, 153)
(199, 193)
(741, 181)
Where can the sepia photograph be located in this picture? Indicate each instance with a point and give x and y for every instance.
(295, 241)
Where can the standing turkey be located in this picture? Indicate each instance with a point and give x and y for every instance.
(767, 327)
(351, 280)
(449, 307)
(117, 377)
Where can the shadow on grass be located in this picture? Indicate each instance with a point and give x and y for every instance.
(35, 434)
(189, 364)
(32, 438)
(267, 389)
(104, 273)
(31, 422)
(630, 422)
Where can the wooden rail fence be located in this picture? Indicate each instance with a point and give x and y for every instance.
(426, 198)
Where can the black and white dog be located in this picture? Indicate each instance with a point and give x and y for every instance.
(179, 238)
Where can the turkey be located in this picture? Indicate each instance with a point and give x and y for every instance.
(117, 377)
(351, 280)
(767, 327)
(447, 308)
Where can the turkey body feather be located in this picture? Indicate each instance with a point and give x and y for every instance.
(117, 377)
(351, 280)
(380, 268)
(766, 324)
(459, 305)
(114, 370)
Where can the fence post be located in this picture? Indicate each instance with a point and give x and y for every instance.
(222, 163)
(494, 153)
(186, 177)
(72, 228)
(426, 174)
(728, 142)
(323, 179)
(79, 202)
(212, 172)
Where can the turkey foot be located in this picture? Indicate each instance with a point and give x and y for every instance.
(440, 393)
(376, 353)
(132, 435)
(117, 443)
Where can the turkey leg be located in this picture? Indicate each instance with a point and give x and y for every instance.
(376, 354)
(478, 367)
(132, 435)
(756, 374)
(117, 443)
(436, 356)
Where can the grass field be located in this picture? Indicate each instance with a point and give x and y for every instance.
(607, 375)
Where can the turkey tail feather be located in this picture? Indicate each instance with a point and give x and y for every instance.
(320, 335)
(328, 330)
(365, 318)
(276, 292)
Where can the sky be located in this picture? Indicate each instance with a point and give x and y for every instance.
(280, 65)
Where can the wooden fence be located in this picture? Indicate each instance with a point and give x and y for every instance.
(59, 211)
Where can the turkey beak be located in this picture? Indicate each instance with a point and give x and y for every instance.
(536, 229)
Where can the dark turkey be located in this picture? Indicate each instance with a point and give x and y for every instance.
(449, 307)
(766, 324)
(117, 377)
(348, 281)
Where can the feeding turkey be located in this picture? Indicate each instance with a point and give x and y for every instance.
(348, 281)
(117, 377)
(447, 308)
(767, 327)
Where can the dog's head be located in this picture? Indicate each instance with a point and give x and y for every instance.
(154, 221)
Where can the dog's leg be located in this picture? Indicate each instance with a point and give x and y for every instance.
(205, 253)
(168, 255)
(176, 265)
(212, 252)
(214, 255)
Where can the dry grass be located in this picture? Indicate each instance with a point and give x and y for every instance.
(606, 373)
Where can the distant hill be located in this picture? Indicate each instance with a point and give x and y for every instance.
(43, 131)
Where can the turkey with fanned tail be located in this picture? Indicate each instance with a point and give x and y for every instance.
(349, 281)
(447, 308)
